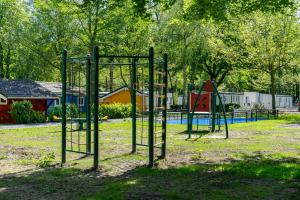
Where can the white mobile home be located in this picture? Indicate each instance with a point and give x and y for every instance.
(250, 99)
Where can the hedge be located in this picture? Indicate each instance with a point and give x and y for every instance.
(115, 110)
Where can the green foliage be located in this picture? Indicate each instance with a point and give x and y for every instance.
(289, 117)
(46, 160)
(72, 111)
(21, 111)
(54, 111)
(229, 107)
(115, 111)
(37, 117)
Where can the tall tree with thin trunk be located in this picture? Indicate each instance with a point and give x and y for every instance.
(272, 43)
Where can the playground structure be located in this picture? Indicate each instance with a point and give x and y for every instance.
(204, 103)
(145, 74)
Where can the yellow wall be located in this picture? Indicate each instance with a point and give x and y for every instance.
(124, 98)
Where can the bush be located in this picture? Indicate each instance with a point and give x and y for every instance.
(290, 117)
(228, 107)
(115, 111)
(21, 112)
(72, 111)
(54, 111)
(37, 117)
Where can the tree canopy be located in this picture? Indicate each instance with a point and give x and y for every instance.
(242, 44)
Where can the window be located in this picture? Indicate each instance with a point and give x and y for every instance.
(57, 102)
(3, 101)
(81, 101)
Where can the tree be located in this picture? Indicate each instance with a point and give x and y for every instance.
(272, 44)
(12, 18)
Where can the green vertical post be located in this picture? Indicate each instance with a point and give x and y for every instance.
(256, 115)
(164, 113)
(213, 127)
(223, 110)
(189, 126)
(96, 108)
(133, 103)
(63, 104)
(88, 104)
(151, 108)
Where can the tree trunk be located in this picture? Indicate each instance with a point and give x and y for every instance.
(172, 87)
(184, 84)
(7, 62)
(1, 62)
(273, 91)
(184, 71)
(111, 77)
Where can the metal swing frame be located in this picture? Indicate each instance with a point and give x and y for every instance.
(190, 113)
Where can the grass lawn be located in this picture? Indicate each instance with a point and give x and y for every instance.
(260, 160)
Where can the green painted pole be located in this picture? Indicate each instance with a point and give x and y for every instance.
(151, 108)
(189, 129)
(96, 108)
(223, 110)
(88, 104)
(164, 113)
(213, 127)
(63, 104)
(133, 103)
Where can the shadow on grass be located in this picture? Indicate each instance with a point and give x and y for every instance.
(252, 177)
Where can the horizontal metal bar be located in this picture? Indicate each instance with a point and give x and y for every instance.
(146, 145)
(73, 151)
(123, 56)
(137, 64)
(156, 145)
(77, 58)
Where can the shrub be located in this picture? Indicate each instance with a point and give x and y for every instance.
(72, 111)
(54, 111)
(21, 112)
(289, 117)
(37, 117)
(115, 111)
(228, 107)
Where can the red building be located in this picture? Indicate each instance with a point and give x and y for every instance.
(20, 90)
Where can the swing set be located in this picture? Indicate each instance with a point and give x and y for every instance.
(80, 86)
(204, 103)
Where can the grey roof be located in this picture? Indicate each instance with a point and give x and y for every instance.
(51, 86)
(56, 87)
(24, 89)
